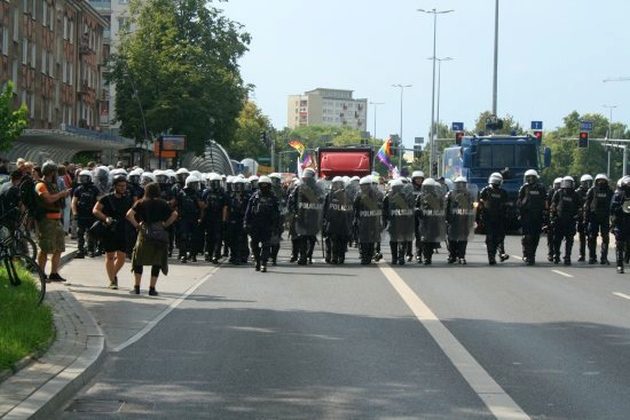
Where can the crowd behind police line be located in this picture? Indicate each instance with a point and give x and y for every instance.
(239, 218)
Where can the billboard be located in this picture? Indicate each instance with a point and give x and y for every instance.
(173, 142)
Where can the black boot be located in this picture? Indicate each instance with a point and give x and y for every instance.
(393, 246)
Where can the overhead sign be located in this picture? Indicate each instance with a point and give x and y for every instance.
(173, 142)
(457, 126)
(537, 125)
(586, 126)
(418, 140)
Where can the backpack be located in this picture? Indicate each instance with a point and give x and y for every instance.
(28, 195)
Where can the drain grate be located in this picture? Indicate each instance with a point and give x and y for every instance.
(86, 405)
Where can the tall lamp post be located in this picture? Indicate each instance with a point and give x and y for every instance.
(401, 147)
(376, 104)
(439, 78)
(496, 57)
(609, 134)
(435, 13)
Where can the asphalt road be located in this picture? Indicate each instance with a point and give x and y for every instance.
(338, 342)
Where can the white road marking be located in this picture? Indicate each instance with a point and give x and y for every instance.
(562, 273)
(147, 328)
(621, 295)
(496, 399)
(517, 257)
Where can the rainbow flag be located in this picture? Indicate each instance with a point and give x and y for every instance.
(306, 161)
(298, 145)
(384, 153)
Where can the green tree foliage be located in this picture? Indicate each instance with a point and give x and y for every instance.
(12, 121)
(251, 123)
(180, 65)
(509, 124)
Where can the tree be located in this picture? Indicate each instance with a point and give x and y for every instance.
(509, 125)
(12, 121)
(251, 123)
(180, 67)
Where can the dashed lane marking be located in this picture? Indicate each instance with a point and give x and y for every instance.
(562, 273)
(500, 404)
(147, 328)
(621, 295)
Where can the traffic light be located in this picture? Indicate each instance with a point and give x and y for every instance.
(264, 139)
(459, 135)
(538, 135)
(583, 140)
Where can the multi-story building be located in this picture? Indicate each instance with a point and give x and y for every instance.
(327, 107)
(53, 53)
(116, 14)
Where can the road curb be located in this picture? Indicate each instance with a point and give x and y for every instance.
(53, 394)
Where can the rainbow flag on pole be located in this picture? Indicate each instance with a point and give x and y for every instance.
(384, 154)
(298, 145)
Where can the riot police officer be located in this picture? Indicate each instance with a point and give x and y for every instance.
(417, 178)
(215, 213)
(492, 215)
(430, 211)
(189, 208)
(368, 215)
(135, 189)
(166, 193)
(459, 219)
(531, 204)
(620, 212)
(337, 222)
(551, 228)
(399, 217)
(84, 198)
(261, 221)
(236, 237)
(276, 187)
(307, 205)
(180, 176)
(597, 218)
(564, 211)
(586, 181)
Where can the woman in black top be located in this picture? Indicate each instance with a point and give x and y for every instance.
(155, 213)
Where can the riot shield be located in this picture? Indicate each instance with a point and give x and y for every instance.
(461, 214)
(401, 215)
(432, 214)
(308, 218)
(339, 214)
(369, 208)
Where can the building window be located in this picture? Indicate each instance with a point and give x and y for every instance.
(45, 15)
(70, 73)
(16, 25)
(65, 27)
(64, 72)
(51, 62)
(44, 61)
(34, 10)
(51, 18)
(33, 55)
(5, 40)
(24, 51)
(14, 72)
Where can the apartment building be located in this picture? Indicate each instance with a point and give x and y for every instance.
(327, 107)
(52, 50)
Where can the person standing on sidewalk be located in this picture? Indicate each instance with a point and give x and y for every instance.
(51, 234)
(84, 200)
(112, 210)
(150, 212)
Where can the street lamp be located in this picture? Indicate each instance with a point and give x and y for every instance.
(401, 147)
(439, 78)
(609, 134)
(376, 104)
(435, 13)
(496, 57)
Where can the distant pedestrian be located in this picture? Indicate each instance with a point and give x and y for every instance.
(51, 234)
(112, 210)
(150, 213)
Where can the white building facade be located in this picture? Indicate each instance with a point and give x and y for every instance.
(334, 107)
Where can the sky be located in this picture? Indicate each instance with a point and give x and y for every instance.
(553, 57)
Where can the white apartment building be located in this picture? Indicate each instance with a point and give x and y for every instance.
(327, 107)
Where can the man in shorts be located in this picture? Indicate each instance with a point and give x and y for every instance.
(51, 234)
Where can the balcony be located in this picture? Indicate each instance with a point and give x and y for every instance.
(101, 5)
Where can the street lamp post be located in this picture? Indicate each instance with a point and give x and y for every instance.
(401, 146)
(496, 58)
(434, 12)
(439, 78)
(609, 135)
(376, 104)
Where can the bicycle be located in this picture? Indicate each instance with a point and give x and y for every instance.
(18, 266)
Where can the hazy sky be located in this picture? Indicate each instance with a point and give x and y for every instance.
(553, 56)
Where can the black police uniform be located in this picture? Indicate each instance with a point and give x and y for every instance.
(216, 202)
(261, 222)
(582, 226)
(564, 211)
(597, 218)
(87, 196)
(492, 214)
(621, 223)
(531, 204)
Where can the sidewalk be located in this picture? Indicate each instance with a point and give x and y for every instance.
(90, 320)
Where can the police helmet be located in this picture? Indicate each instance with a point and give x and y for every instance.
(182, 171)
(192, 182)
(567, 182)
(118, 178)
(366, 180)
(147, 178)
(495, 179)
(429, 182)
(557, 183)
(417, 174)
(531, 176)
(264, 180)
(396, 183)
(586, 178)
(601, 177)
(85, 176)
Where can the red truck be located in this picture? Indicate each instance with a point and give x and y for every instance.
(344, 161)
